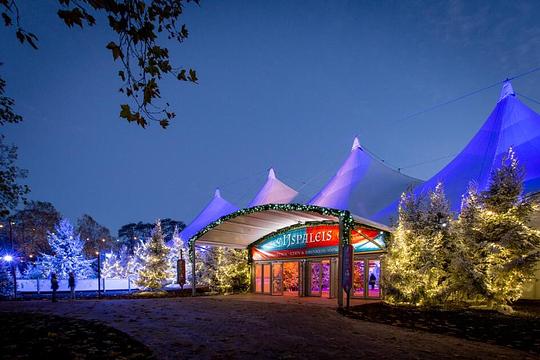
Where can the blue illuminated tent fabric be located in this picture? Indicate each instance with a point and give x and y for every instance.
(215, 209)
(362, 185)
(510, 124)
(273, 191)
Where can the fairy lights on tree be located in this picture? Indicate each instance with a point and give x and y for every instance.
(112, 267)
(417, 264)
(154, 266)
(67, 254)
(485, 256)
(502, 249)
(223, 269)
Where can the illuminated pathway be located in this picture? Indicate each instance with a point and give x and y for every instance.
(242, 327)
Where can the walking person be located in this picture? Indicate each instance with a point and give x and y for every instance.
(54, 286)
(71, 284)
(372, 281)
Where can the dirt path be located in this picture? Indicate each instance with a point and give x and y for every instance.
(231, 327)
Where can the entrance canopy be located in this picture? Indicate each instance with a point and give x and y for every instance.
(243, 227)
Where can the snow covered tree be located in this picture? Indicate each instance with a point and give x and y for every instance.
(135, 260)
(67, 254)
(233, 271)
(178, 249)
(418, 259)
(153, 272)
(112, 267)
(501, 246)
(404, 249)
(33, 271)
(224, 270)
(467, 263)
(6, 280)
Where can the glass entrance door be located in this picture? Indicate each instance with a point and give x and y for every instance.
(325, 278)
(319, 278)
(366, 278)
(374, 269)
(277, 279)
(315, 278)
(266, 278)
(359, 278)
(291, 277)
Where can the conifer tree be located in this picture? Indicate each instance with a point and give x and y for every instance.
(468, 274)
(178, 249)
(418, 259)
(67, 254)
(112, 267)
(232, 273)
(6, 280)
(135, 260)
(153, 272)
(502, 247)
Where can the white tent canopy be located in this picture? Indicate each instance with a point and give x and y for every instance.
(215, 209)
(240, 229)
(274, 191)
(363, 185)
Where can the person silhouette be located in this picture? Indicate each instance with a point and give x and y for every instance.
(54, 286)
(372, 281)
(71, 283)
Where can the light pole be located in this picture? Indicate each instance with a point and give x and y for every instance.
(99, 273)
(10, 260)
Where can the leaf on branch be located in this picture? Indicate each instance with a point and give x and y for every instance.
(151, 91)
(30, 38)
(193, 76)
(20, 36)
(164, 123)
(125, 113)
(184, 32)
(7, 19)
(122, 75)
(182, 75)
(116, 51)
(72, 17)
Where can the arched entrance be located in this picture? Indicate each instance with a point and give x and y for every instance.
(294, 248)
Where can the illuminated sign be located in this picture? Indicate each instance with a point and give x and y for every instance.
(319, 240)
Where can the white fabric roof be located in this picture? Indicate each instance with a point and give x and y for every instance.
(238, 231)
(363, 185)
(215, 209)
(273, 191)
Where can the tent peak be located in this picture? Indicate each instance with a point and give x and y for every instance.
(217, 193)
(271, 173)
(356, 144)
(507, 90)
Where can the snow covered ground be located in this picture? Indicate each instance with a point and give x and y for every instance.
(250, 326)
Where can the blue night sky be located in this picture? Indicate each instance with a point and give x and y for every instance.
(286, 84)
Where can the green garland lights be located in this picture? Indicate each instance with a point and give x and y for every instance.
(348, 221)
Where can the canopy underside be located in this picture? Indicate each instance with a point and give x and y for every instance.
(244, 229)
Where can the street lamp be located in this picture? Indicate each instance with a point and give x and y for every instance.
(10, 260)
(99, 273)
